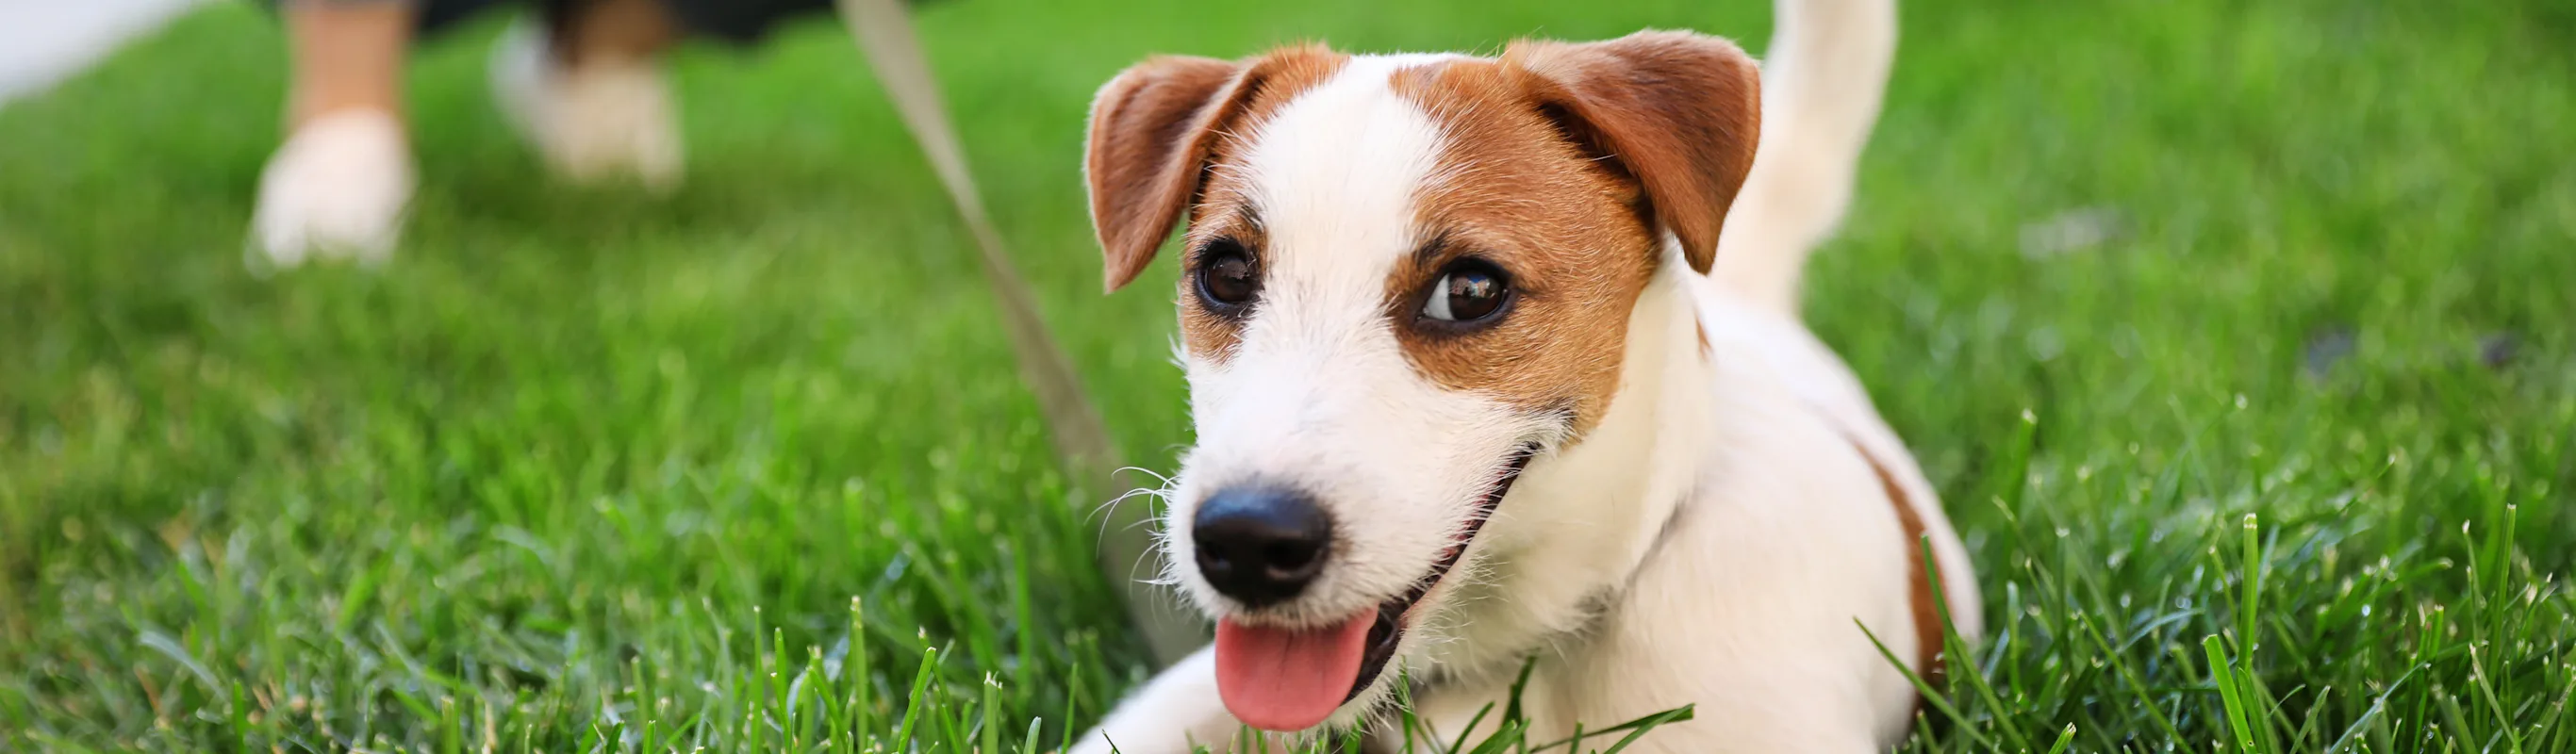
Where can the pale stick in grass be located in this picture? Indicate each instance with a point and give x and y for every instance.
(884, 33)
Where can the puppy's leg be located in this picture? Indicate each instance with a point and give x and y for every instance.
(588, 91)
(339, 183)
(1177, 710)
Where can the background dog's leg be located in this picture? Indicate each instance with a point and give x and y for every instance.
(588, 90)
(339, 183)
(615, 32)
(347, 55)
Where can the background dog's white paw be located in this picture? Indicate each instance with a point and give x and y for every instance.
(336, 188)
(600, 121)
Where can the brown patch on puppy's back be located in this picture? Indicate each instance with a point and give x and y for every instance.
(1928, 662)
(1568, 229)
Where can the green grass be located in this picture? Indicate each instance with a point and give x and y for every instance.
(588, 470)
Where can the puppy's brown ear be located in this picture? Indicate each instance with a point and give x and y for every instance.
(1679, 111)
(1150, 129)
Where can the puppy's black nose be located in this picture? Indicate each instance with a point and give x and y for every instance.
(1261, 545)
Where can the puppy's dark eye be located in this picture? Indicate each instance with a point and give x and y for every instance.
(1226, 277)
(1469, 291)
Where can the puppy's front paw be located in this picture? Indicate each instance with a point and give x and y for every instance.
(336, 188)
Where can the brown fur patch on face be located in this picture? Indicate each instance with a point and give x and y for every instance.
(1571, 232)
(1223, 208)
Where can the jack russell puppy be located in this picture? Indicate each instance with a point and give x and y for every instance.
(1499, 358)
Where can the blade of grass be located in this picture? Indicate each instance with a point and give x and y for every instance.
(2241, 734)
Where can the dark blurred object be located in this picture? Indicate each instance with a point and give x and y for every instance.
(739, 21)
(2499, 349)
(2329, 348)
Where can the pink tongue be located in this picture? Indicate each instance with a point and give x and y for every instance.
(1278, 679)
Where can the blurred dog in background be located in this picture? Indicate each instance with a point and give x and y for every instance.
(581, 81)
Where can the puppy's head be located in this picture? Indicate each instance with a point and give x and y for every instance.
(1404, 279)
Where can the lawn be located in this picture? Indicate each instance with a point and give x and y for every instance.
(2236, 335)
